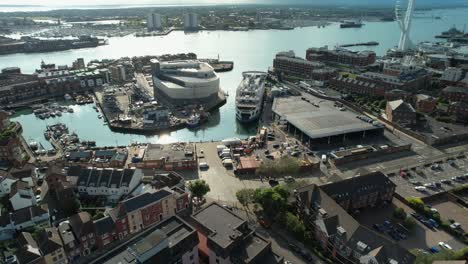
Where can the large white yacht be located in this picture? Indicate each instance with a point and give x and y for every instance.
(249, 96)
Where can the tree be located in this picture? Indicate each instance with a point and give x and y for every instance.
(272, 200)
(399, 213)
(70, 207)
(295, 226)
(409, 223)
(198, 188)
(245, 196)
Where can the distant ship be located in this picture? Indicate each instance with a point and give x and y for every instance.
(351, 24)
(249, 96)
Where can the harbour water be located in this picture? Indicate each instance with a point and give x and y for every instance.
(250, 50)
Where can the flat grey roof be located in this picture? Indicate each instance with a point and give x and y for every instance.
(319, 122)
(221, 221)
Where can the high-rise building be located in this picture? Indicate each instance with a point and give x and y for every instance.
(191, 21)
(154, 22)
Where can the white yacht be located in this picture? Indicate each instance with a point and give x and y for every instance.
(249, 96)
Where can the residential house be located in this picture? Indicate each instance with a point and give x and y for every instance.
(170, 241)
(425, 103)
(84, 232)
(6, 180)
(360, 192)
(455, 93)
(29, 216)
(22, 219)
(21, 195)
(111, 183)
(459, 110)
(227, 238)
(341, 236)
(47, 248)
(400, 112)
(137, 213)
(105, 231)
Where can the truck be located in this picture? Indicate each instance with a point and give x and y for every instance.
(324, 158)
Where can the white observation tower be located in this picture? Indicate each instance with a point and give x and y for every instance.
(404, 13)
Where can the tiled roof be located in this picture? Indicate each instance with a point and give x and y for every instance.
(143, 200)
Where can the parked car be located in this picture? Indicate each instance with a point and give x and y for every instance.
(445, 245)
(306, 255)
(273, 182)
(276, 146)
(288, 179)
(269, 156)
(203, 165)
(294, 248)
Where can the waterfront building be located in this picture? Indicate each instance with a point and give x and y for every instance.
(338, 233)
(288, 64)
(340, 56)
(191, 21)
(185, 81)
(16, 87)
(122, 72)
(171, 241)
(408, 79)
(400, 112)
(169, 157)
(452, 75)
(154, 22)
(227, 238)
(322, 124)
(79, 64)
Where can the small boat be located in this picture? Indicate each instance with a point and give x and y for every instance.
(52, 114)
(193, 121)
(67, 97)
(33, 145)
(58, 113)
(70, 110)
(100, 116)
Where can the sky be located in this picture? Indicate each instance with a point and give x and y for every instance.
(202, 2)
(115, 2)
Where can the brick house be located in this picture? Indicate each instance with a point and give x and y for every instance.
(459, 110)
(425, 103)
(455, 93)
(400, 112)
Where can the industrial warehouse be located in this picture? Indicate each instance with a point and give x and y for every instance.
(322, 122)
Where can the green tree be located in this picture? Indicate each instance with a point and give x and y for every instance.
(70, 207)
(272, 200)
(295, 226)
(399, 213)
(245, 196)
(409, 223)
(198, 188)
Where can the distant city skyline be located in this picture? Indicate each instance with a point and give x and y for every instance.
(59, 3)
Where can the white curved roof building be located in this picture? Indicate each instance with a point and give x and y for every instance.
(185, 80)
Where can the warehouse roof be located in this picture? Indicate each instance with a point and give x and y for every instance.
(318, 122)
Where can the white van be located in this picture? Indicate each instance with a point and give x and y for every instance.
(324, 158)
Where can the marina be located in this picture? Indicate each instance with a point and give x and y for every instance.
(222, 123)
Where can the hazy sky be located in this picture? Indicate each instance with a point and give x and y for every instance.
(112, 2)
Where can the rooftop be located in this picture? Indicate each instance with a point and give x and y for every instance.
(319, 122)
(222, 222)
(168, 234)
(170, 152)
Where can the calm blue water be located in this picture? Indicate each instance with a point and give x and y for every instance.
(252, 50)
